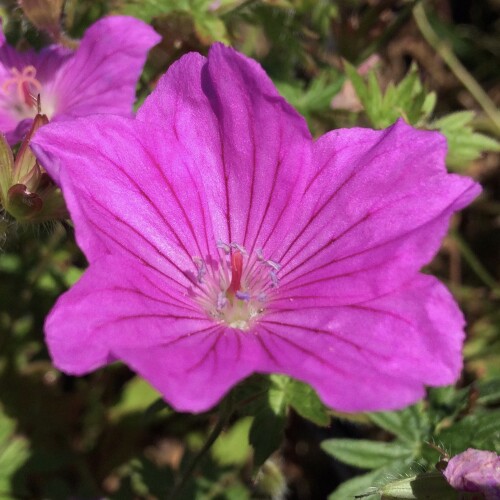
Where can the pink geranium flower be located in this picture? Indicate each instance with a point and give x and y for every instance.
(224, 241)
(99, 77)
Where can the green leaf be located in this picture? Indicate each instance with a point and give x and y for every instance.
(454, 121)
(232, 447)
(301, 397)
(375, 98)
(314, 98)
(367, 454)
(266, 434)
(207, 25)
(148, 9)
(429, 104)
(270, 412)
(13, 454)
(464, 144)
(424, 486)
(157, 406)
(14, 451)
(489, 392)
(210, 29)
(408, 99)
(6, 169)
(359, 85)
(405, 424)
(360, 485)
(368, 485)
(137, 397)
(479, 430)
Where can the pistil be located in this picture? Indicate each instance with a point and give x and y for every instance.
(236, 272)
(234, 289)
(27, 86)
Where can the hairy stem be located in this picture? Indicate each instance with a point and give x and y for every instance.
(475, 263)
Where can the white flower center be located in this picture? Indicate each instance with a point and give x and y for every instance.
(25, 94)
(234, 288)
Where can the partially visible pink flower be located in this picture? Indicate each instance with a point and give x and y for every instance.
(224, 241)
(475, 470)
(99, 77)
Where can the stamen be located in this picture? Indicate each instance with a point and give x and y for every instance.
(202, 268)
(239, 248)
(243, 295)
(27, 86)
(274, 279)
(223, 246)
(272, 264)
(232, 286)
(221, 301)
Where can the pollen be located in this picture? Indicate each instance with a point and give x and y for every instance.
(234, 288)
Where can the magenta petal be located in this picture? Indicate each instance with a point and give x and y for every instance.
(194, 372)
(130, 192)
(123, 310)
(102, 75)
(374, 213)
(116, 304)
(254, 178)
(375, 355)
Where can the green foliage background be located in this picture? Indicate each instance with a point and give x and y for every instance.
(108, 434)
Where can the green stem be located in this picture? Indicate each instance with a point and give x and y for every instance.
(457, 68)
(474, 263)
(224, 414)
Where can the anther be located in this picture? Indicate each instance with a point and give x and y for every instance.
(202, 268)
(239, 248)
(273, 264)
(243, 295)
(223, 246)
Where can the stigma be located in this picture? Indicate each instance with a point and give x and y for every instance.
(234, 287)
(23, 89)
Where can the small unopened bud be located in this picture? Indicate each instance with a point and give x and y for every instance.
(22, 204)
(475, 471)
(27, 193)
(26, 170)
(44, 15)
(270, 480)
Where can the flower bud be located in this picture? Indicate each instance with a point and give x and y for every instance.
(475, 470)
(44, 15)
(26, 191)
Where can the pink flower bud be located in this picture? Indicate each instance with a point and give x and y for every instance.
(475, 470)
